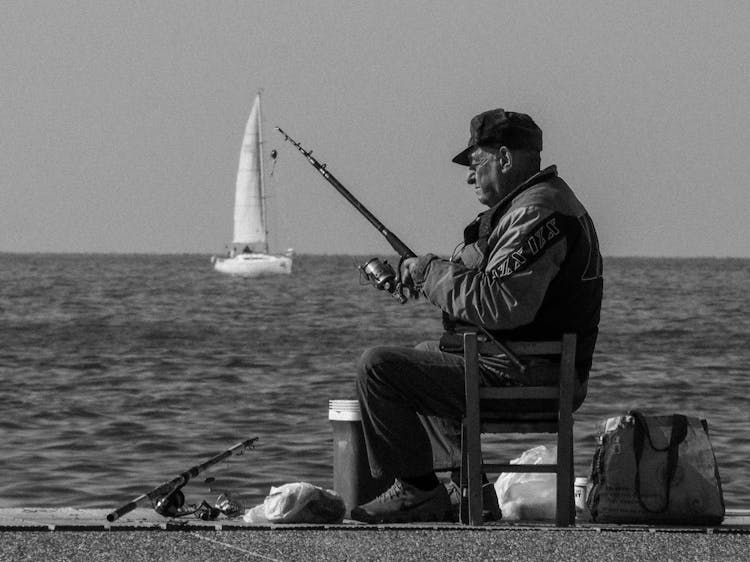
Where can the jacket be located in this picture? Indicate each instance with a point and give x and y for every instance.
(530, 268)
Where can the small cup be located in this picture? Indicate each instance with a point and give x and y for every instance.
(580, 486)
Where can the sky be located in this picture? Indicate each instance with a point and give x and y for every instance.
(121, 122)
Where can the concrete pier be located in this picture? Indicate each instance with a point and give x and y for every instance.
(85, 534)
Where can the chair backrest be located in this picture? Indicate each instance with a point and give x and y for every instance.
(508, 408)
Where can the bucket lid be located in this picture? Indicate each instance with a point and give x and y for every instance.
(344, 410)
(581, 481)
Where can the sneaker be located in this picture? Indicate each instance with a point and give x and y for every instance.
(490, 506)
(402, 503)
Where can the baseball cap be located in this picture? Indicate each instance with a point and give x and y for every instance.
(500, 127)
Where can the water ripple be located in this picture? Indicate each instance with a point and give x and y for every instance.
(119, 372)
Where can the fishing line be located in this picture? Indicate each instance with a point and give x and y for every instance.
(233, 547)
(223, 490)
(277, 217)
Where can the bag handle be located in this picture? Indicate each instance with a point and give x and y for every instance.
(678, 434)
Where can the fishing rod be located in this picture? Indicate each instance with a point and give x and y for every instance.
(173, 486)
(380, 274)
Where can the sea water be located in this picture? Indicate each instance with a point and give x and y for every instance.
(119, 372)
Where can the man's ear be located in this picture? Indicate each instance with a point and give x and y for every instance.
(505, 156)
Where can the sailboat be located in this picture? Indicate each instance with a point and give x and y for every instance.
(248, 254)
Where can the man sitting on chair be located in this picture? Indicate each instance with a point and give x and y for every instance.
(529, 268)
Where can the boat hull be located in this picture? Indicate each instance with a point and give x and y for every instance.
(253, 265)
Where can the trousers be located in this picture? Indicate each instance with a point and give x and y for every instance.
(412, 401)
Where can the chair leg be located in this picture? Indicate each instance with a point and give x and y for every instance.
(474, 484)
(565, 499)
(471, 506)
(463, 513)
(565, 509)
(473, 446)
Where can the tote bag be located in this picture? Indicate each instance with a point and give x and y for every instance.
(655, 469)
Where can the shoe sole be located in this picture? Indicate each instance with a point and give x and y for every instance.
(404, 517)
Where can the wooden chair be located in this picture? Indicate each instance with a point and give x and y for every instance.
(496, 410)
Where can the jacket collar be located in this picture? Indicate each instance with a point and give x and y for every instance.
(539, 177)
(486, 218)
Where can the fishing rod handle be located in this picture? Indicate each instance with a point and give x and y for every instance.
(120, 511)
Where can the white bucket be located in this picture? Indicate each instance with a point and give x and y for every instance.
(351, 471)
(344, 410)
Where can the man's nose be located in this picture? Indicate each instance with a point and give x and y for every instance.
(471, 177)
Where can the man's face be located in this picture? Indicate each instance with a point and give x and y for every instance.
(487, 176)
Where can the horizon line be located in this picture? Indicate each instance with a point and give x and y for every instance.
(331, 254)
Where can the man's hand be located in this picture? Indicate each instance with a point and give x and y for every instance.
(407, 270)
(412, 271)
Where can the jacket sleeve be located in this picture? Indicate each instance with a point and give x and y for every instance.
(524, 253)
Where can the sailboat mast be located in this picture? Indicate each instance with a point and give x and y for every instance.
(262, 176)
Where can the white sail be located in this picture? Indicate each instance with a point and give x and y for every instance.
(249, 219)
(249, 253)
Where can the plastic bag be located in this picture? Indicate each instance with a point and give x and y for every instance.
(529, 495)
(298, 502)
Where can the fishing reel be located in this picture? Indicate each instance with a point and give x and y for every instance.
(171, 504)
(382, 276)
